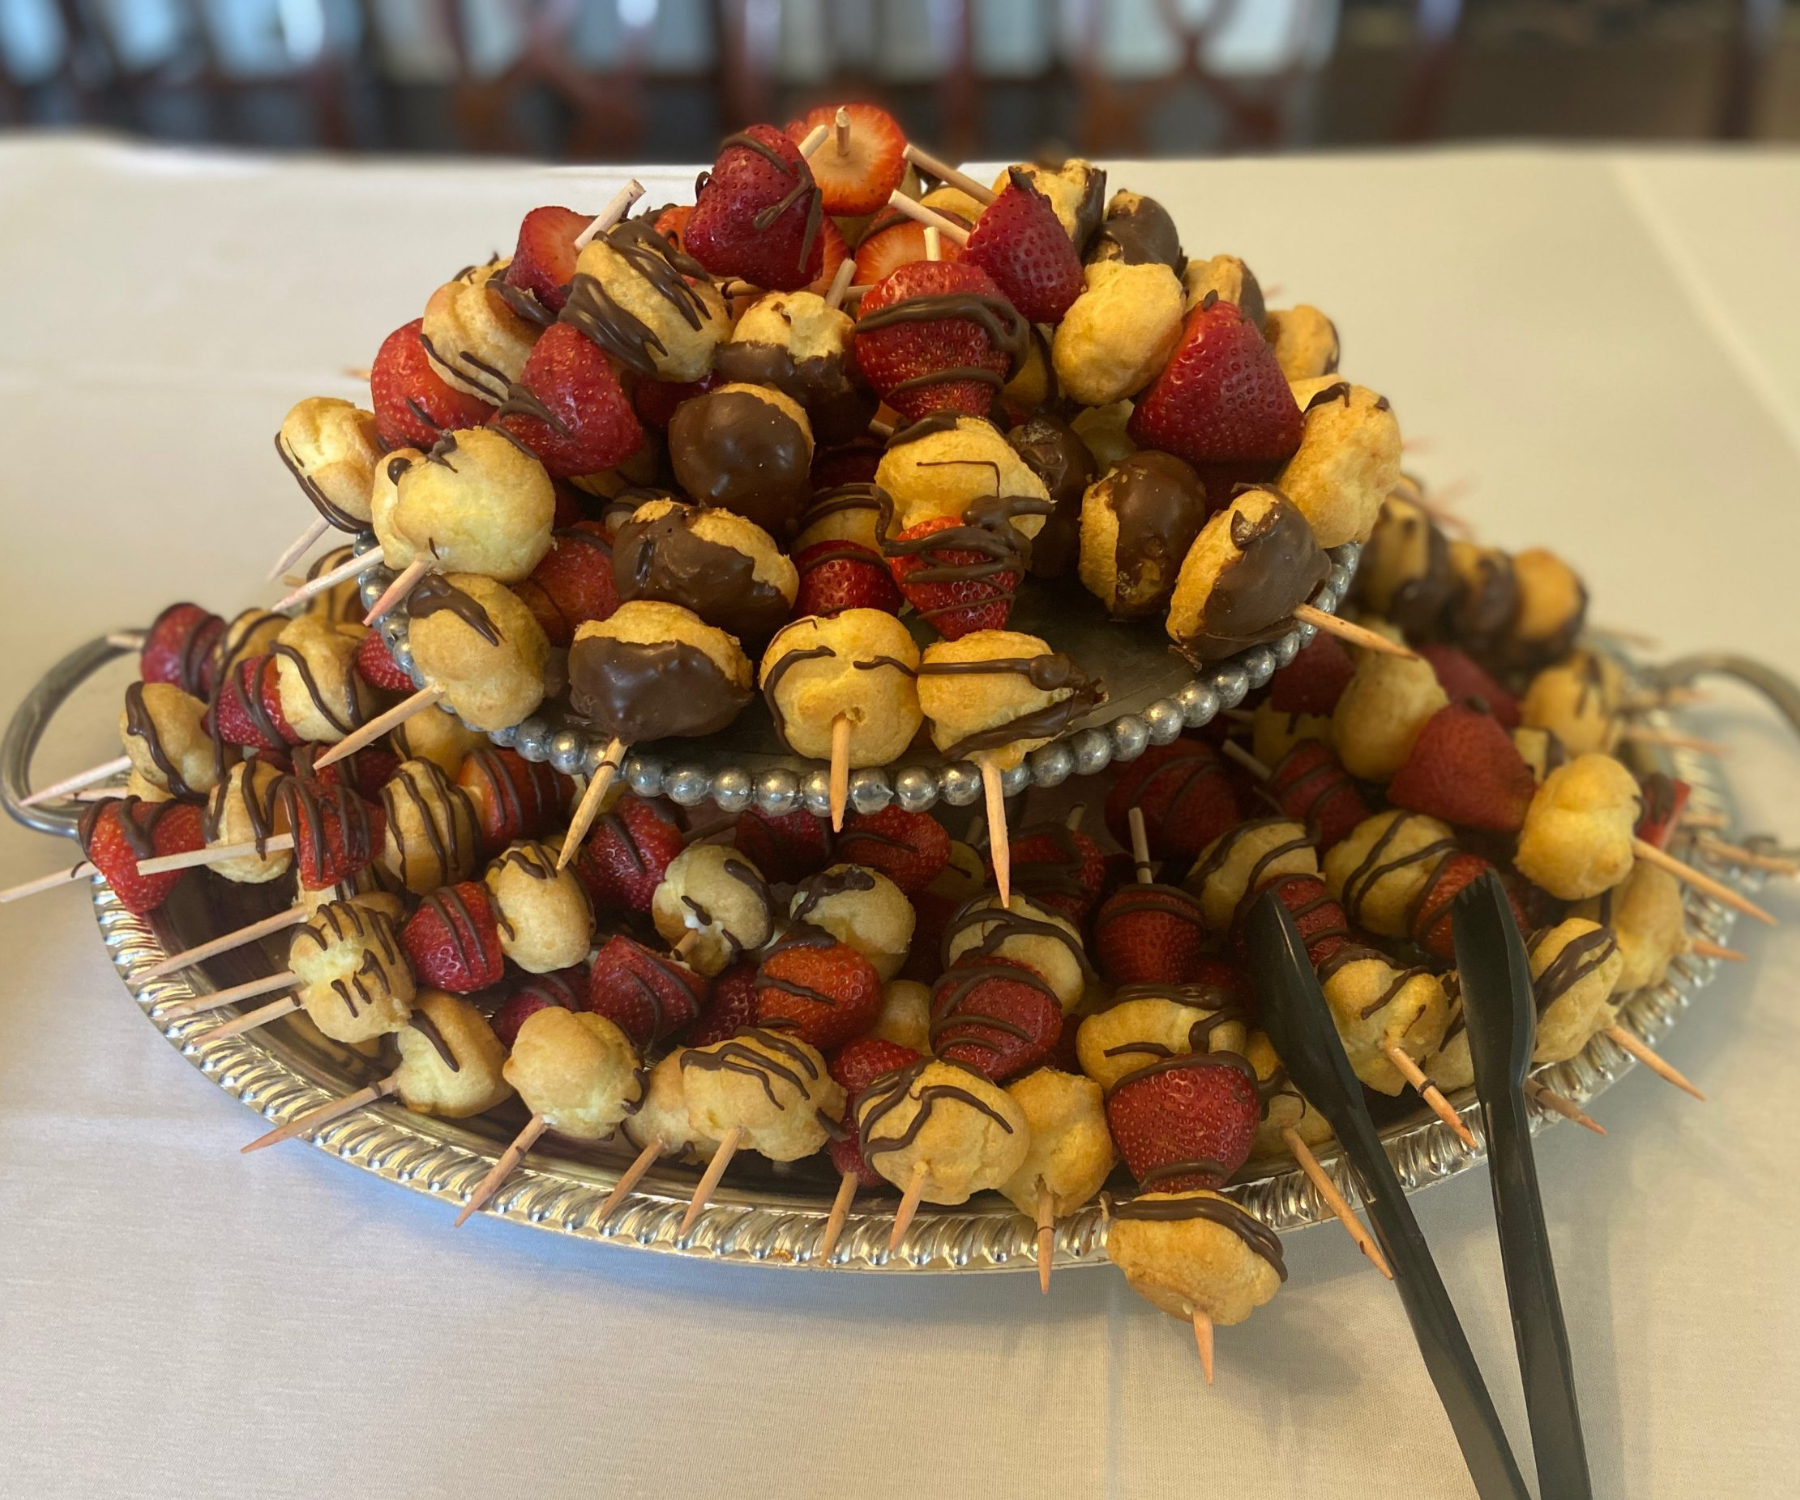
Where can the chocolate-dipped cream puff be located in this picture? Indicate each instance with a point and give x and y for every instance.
(1139, 231)
(1405, 573)
(793, 342)
(725, 569)
(654, 670)
(747, 449)
(475, 339)
(1052, 451)
(1227, 278)
(1251, 564)
(1137, 523)
(1000, 693)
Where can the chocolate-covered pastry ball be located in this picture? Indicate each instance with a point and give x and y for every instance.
(323, 697)
(941, 465)
(1137, 523)
(1484, 597)
(1405, 574)
(1251, 564)
(576, 1069)
(478, 505)
(648, 304)
(860, 664)
(1076, 190)
(1119, 333)
(1227, 278)
(1348, 461)
(1577, 838)
(430, 839)
(1383, 864)
(715, 900)
(1071, 1149)
(1062, 461)
(350, 972)
(725, 569)
(332, 449)
(476, 639)
(1304, 339)
(1000, 693)
(653, 670)
(164, 734)
(795, 343)
(1139, 231)
(747, 449)
(474, 339)
(1239, 863)
(1380, 713)
(1552, 608)
(1024, 933)
(450, 1059)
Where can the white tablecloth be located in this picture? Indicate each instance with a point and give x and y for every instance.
(1606, 346)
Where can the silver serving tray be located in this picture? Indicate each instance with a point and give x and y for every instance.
(759, 1214)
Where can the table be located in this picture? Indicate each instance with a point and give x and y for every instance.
(1606, 345)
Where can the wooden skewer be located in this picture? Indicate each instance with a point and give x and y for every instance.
(213, 854)
(630, 1177)
(999, 844)
(1203, 1341)
(296, 549)
(589, 808)
(47, 882)
(502, 1169)
(324, 1114)
(936, 166)
(684, 950)
(909, 1205)
(404, 583)
(1749, 858)
(1355, 635)
(1708, 949)
(426, 697)
(1245, 759)
(840, 283)
(330, 578)
(98, 793)
(359, 372)
(273, 1011)
(840, 770)
(1335, 1201)
(282, 920)
(127, 640)
(934, 242)
(249, 990)
(1690, 819)
(929, 217)
(1674, 697)
(840, 125)
(1046, 1230)
(1238, 715)
(709, 1179)
(880, 429)
(1718, 890)
(1567, 1108)
(77, 781)
(1642, 1051)
(1140, 847)
(1429, 1092)
(611, 214)
(1640, 734)
(840, 1212)
(817, 136)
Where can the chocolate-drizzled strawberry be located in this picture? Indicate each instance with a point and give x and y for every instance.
(414, 405)
(757, 213)
(938, 336)
(118, 832)
(336, 833)
(910, 848)
(1149, 934)
(730, 1008)
(855, 1066)
(543, 263)
(786, 847)
(1188, 796)
(453, 939)
(837, 576)
(1309, 786)
(1319, 919)
(247, 708)
(1429, 918)
(647, 995)
(178, 648)
(1185, 1123)
(627, 854)
(1057, 867)
(567, 989)
(963, 575)
(574, 581)
(997, 1017)
(567, 408)
(823, 991)
(512, 798)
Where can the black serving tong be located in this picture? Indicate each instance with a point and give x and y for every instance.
(1501, 1014)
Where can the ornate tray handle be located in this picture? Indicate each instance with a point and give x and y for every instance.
(30, 720)
(1780, 689)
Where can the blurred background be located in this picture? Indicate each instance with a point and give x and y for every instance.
(662, 80)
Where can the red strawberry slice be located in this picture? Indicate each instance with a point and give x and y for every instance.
(1432, 915)
(544, 262)
(247, 710)
(1149, 934)
(648, 995)
(1056, 867)
(512, 798)
(655, 400)
(1188, 795)
(758, 213)
(1187, 1122)
(1019, 241)
(364, 772)
(959, 577)
(843, 575)
(1222, 397)
(857, 1064)
(178, 648)
(1318, 918)
(672, 222)
(822, 990)
(414, 405)
(857, 176)
(910, 848)
(1310, 787)
(1665, 798)
(999, 1018)
(912, 361)
(731, 1007)
(567, 989)
(786, 848)
(573, 582)
(568, 407)
(336, 833)
(893, 241)
(1465, 769)
(376, 666)
(1465, 681)
(1316, 678)
(453, 939)
(627, 854)
(117, 833)
(834, 251)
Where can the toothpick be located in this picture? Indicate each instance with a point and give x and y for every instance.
(273, 1011)
(425, 698)
(709, 1179)
(249, 990)
(331, 578)
(324, 1114)
(1718, 890)
(1691, 819)
(1355, 635)
(934, 242)
(1075, 816)
(929, 217)
(1640, 734)
(78, 780)
(1203, 1341)
(936, 166)
(611, 214)
(1046, 1230)
(1749, 858)
(1641, 1050)
(630, 1177)
(214, 854)
(840, 283)
(840, 1212)
(815, 138)
(1429, 1092)
(297, 548)
(1335, 1201)
(909, 1205)
(589, 808)
(1708, 949)
(404, 583)
(502, 1169)
(1140, 847)
(126, 640)
(47, 882)
(840, 123)
(999, 843)
(1557, 1104)
(840, 770)
(1244, 758)
(684, 950)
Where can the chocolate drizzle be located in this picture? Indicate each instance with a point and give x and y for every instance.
(1226, 845)
(844, 880)
(136, 819)
(844, 498)
(742, 452)
(351, 718)
(1221, 1211)
(995, 316)
(641, 691)
(667, 270)
(423, 1024)
(1252, 598)
(1049, 672)
(423, 795)
(338, 517)
(986, 530)
(737, 1056)
(434, 594)
(663, 558)
(140, 724)
(1581, 956)
(1160, 505)
(886, 1093)
(1001, 923)
(771, 684)
(1054, 452)
(1372, 869)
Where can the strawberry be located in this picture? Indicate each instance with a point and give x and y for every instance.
(1019, 241)
(1318, 918)
(731, 1007)
(336, 833)
(573, 582)
(912, 362)
(1187, 1122)
(1465, 769)
(1664, 798)
(833, 252)
(671, 222)
(568, 408)
(786, 848)
(363, 772)
(117, 833)
(1431, 915)
(655, 400)
(376, 666)
(997, 1017)
(910, 848)
(1057, 867)
(843, 575)
(893, 241)
(247, 710)
(512, 798)
(857, 177)
(849, 463)
(965, 580)
(857, 1064)
(453, 939)
(1310, 787)
(565, 988)
(1188, 797)
(1466, 682)
(414, 405)
(627, 854)
(178, 648)
(1149, 934)
(758, 213)
(823, 990)
(1316, 678)
(1222, 397)
(648, 995)
(544, 261)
